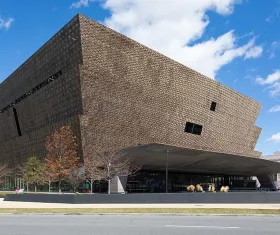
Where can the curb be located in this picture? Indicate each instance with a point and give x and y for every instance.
(142, 214)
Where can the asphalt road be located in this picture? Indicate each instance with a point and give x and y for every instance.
(137, 224)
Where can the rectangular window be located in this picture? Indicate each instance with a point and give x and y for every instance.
(35, 89)
(197, 129)
(193, 128)
(189, 127)
(17, 122)
(213, 106)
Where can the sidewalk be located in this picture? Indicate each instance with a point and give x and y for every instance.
(4, 204)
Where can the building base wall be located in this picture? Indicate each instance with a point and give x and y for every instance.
(152, 198)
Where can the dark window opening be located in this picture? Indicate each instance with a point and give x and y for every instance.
(17, 122)
(44, 83)
(193, 128)
(197, 129)
(213, 106)
(189, 127)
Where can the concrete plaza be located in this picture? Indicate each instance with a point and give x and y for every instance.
(8, 204)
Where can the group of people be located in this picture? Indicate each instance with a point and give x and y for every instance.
(211, 188)
(19, 191)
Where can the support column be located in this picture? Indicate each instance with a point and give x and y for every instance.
(118, 184)
(226, 181)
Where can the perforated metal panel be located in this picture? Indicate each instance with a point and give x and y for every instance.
(115, 93)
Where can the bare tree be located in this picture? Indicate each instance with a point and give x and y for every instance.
(75, 177)
(115, 163)
(48, 176)
(19, 170)
(4, 171)
(93, 171)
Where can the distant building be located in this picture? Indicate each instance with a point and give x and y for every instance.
(118, 94)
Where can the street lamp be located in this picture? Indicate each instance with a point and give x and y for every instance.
(109, 179)
(166, 172)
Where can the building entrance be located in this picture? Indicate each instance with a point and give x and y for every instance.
(155, 182)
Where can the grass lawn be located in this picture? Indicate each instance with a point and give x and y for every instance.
(140, 210)
(4, 193)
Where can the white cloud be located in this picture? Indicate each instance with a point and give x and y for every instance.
(275, 44)
(5, 24)
(269, 19)
(275, 109)
(275, 89)
(273, 48)
(173, 26)
(254, 52)
(272, 81)
(272, 55)
(274, 138)
(275, 14)
(81, 3)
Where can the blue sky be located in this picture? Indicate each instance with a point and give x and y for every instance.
(236, 42)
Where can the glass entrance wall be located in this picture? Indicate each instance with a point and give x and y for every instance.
(10, 183)
(154, 182)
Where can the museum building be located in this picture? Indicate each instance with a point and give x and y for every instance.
(181, 126)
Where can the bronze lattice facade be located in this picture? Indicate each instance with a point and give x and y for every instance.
(117, 93)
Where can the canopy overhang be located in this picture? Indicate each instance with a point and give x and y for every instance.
(157, 156)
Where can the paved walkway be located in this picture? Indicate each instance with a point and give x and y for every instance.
(5, 204)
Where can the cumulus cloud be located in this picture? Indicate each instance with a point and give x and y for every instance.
(275, 109)
(173, 27)
(6, 24)
(274, 138)
(81, 3)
